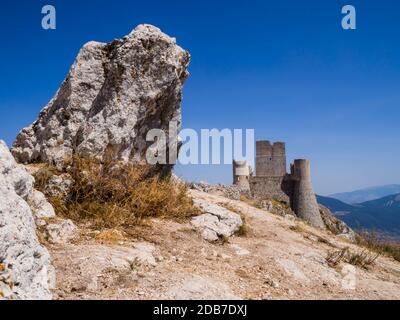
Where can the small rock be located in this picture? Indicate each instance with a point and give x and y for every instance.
(217, 222)
(240, 251)
(62, 232)
(41, 208)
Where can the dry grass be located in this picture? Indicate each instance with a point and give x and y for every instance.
(260, 203)
(300, 227)
(108, 194)
(43, 176)
(363, 259)
(372, 241)
(335, 257)
(248, 200)
(110, 235)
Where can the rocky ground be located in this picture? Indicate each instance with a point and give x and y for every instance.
(278, 258)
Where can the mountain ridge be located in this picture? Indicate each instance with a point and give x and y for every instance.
(366, 194)
(381, 215)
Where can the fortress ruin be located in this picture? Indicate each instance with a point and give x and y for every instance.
(271, 180)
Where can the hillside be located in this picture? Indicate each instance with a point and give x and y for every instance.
(336, 206)
(381, 215)
(279, 258)
(367, 194)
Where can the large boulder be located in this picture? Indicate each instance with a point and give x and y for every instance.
(112, 96)
(26, 260)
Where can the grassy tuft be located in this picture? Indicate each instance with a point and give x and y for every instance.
(111, 195)
(363, 259)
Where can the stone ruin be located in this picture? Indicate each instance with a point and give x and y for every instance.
(272, 181)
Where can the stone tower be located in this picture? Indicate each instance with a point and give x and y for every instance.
(270, 159)
(273, 182)
(241, 174)
(304, 202)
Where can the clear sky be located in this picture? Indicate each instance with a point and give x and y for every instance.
(285, 68)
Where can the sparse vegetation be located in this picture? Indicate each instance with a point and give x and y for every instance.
(43, 176)
(335, 257)
(363, 259)
(108, 194)
(300, 227)
(244, 228)
(372, 241)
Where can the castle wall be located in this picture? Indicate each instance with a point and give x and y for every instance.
(278, 188)
(304, 201)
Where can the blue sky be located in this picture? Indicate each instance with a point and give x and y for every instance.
(285, 68)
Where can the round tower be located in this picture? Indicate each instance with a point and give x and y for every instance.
(241, 174)
(304, 202)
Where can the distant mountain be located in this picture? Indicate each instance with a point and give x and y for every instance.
(368, 194)
(381, 215)
(336, 206)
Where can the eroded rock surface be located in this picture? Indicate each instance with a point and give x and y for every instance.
(27, 261)
(336, 226)
(113, 95)
(61, 232)
(217, 222)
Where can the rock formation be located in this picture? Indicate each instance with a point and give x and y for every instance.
(113, 95)
(336, 226)
(26, 260)
(217, 222)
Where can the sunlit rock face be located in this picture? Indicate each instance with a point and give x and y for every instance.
(112, 96)
(27, 262)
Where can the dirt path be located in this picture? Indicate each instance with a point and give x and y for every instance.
(277, 259)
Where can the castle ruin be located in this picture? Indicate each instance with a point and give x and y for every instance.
(271, 180)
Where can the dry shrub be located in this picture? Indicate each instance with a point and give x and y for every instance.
(335, 257)
(372, 241)
(109, 194)
(362, 258)
(43, 176)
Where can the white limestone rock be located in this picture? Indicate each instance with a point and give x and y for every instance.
(196, 287)
(40, 206)
(61, 232)
(217, 222)
(113, 95)
(27, 261)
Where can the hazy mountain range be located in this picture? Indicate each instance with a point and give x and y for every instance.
(367, 194)
(382, 215)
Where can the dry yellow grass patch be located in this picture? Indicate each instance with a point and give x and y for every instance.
(109, 194)
(110, 235)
